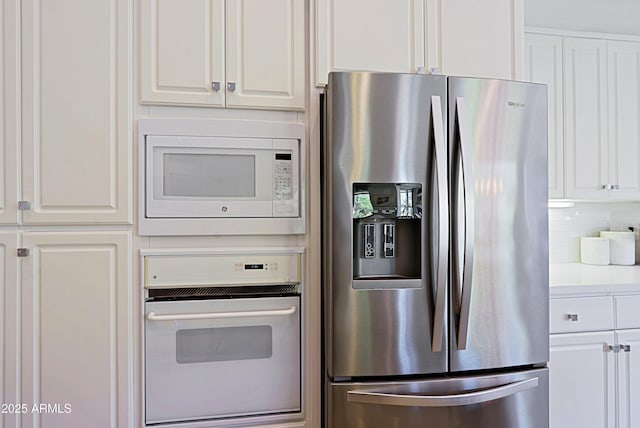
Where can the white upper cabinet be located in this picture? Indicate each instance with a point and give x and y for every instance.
(585, 90)
(182, 52)
(624, 118)
(76, 111)
(457, 37)
(223, 53)
(482, 38)
(594, 114)
(543, 64)
(369, 35)
(9, 110)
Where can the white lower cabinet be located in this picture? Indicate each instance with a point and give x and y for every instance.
(69, 332)
(629, 379)
(594, 365)
(8, 323)
(581, 380)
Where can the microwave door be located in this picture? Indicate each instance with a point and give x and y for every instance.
(203, 177)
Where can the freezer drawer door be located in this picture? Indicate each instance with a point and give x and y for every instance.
(517, 399)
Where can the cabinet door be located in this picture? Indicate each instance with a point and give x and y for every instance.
(266, 54)
(369, 35)
(76, 111)
(582, 380)
(9, 333)
(482, 39)
(543, 64)
(76, 328)
(624, 118)
(9, 110)
(629, 379)
(182, 52)
(587, 155)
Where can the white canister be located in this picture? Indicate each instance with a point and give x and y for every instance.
(622, 249)
(594, 251)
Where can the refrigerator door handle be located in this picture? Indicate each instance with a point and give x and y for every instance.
(443, 224)
(467, 264)
(476, 397)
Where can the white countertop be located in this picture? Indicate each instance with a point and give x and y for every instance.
(582, 279)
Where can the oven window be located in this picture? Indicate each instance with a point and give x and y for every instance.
(203, 345)
(209, 175)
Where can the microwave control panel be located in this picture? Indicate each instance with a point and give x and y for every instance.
(283, 176)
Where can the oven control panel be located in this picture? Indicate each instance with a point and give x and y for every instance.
(209, 270)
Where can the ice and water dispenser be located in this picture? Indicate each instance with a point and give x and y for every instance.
(387, 231)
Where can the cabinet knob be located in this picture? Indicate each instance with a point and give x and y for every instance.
(231, 86)
(606, 187)
(572, 317)
(615, 187)
(215, 86)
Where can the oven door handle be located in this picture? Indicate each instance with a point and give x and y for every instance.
(152, 316)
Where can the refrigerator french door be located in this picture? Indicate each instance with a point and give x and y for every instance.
(435, 251)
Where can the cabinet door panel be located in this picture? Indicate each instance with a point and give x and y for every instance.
(76, 118)
(265, 53)
(369, 35)
(624, 114)
(9, 325)
(76, 324)
(182, 51)
(581, 380)
(482, 39)
(629, 379)
(586, 161)
(543, 64)
(9, 110)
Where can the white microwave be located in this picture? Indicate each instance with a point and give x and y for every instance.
(249, 183)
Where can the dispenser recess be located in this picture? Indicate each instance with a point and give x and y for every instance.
(387, 235)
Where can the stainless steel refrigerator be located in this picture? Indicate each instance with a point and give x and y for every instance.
(435, 252)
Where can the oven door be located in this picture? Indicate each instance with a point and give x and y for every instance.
(221, 358)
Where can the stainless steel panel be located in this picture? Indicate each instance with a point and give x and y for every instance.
(517, 399)
(507, 311)
(379, 129)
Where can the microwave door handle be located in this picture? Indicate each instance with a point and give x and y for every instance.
(466, 399)
(152, 316)
(464, 299)
(443, 223)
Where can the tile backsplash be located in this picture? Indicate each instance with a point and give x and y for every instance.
(568, 225)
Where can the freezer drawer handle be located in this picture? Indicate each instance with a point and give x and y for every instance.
(476, 397)
(152, 316)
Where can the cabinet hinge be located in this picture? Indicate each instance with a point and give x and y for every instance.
(23, 252)
(618, 348)
(24, 205)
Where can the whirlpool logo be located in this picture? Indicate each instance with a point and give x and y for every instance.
(515, 104)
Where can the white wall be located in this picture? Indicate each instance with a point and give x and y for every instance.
(567, 225)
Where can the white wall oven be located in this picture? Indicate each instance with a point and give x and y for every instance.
(222, 338)
(220, 177)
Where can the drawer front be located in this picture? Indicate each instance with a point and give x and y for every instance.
(627, 311)
(581, 314)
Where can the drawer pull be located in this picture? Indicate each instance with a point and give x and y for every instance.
(572, 317)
